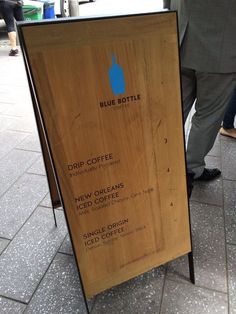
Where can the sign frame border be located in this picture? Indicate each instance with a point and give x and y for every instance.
(51, 174)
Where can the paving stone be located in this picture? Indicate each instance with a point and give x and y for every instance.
(20, 105)
(5, 122)
(18, 203)
(209, 192)
(7, 98)
(4, 106)
(8, 65)
(230, 210)
(19, 93)
(3, 50)
(31, 142)
(59, 291)
(11, 307)
(28, 256)
(18, 90)
(47, 202)
(139, 295)
(213, 162)
(66, 246)
(208, 250)
(38, 167)
(23, 124)
(9, 140)
(215, 151)
(179, 298)
(209, 246)
(228, 153)
(3, 244)
(178, 269)
(13, 165)
(22, 108)
(232, 278)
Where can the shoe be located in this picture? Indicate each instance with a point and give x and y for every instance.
(209, 174)
(228, 132)
(13, 52)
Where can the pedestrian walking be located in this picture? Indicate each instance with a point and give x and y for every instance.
(208, 70)
(11, 10)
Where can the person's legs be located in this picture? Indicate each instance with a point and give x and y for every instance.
(8, 15)
(213, 93)
(188, 90)
(189, 95)
(18, 13)
(12, 39)
(228, 122)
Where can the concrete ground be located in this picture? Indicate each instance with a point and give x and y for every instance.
(37, 268)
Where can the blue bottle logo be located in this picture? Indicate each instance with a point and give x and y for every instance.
(116, 78)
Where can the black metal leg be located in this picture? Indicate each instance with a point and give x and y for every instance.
(54, 215)
(86, 303)
(83, 291)
(191, 267)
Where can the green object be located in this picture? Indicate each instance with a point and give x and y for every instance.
(31, 12)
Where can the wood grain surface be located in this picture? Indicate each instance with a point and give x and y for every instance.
(117, 147)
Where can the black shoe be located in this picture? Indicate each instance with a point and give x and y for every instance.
(13, 52)
(209, 174)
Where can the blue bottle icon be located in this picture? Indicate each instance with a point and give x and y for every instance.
(116, 77)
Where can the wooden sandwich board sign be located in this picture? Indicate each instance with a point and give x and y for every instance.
(108, 93)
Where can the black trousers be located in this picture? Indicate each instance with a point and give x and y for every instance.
(11, 10)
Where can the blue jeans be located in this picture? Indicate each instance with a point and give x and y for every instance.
(228, 122)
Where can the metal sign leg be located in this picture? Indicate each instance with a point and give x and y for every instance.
(55, 218)
(191, 267)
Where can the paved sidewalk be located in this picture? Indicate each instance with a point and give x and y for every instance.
(37, 268)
